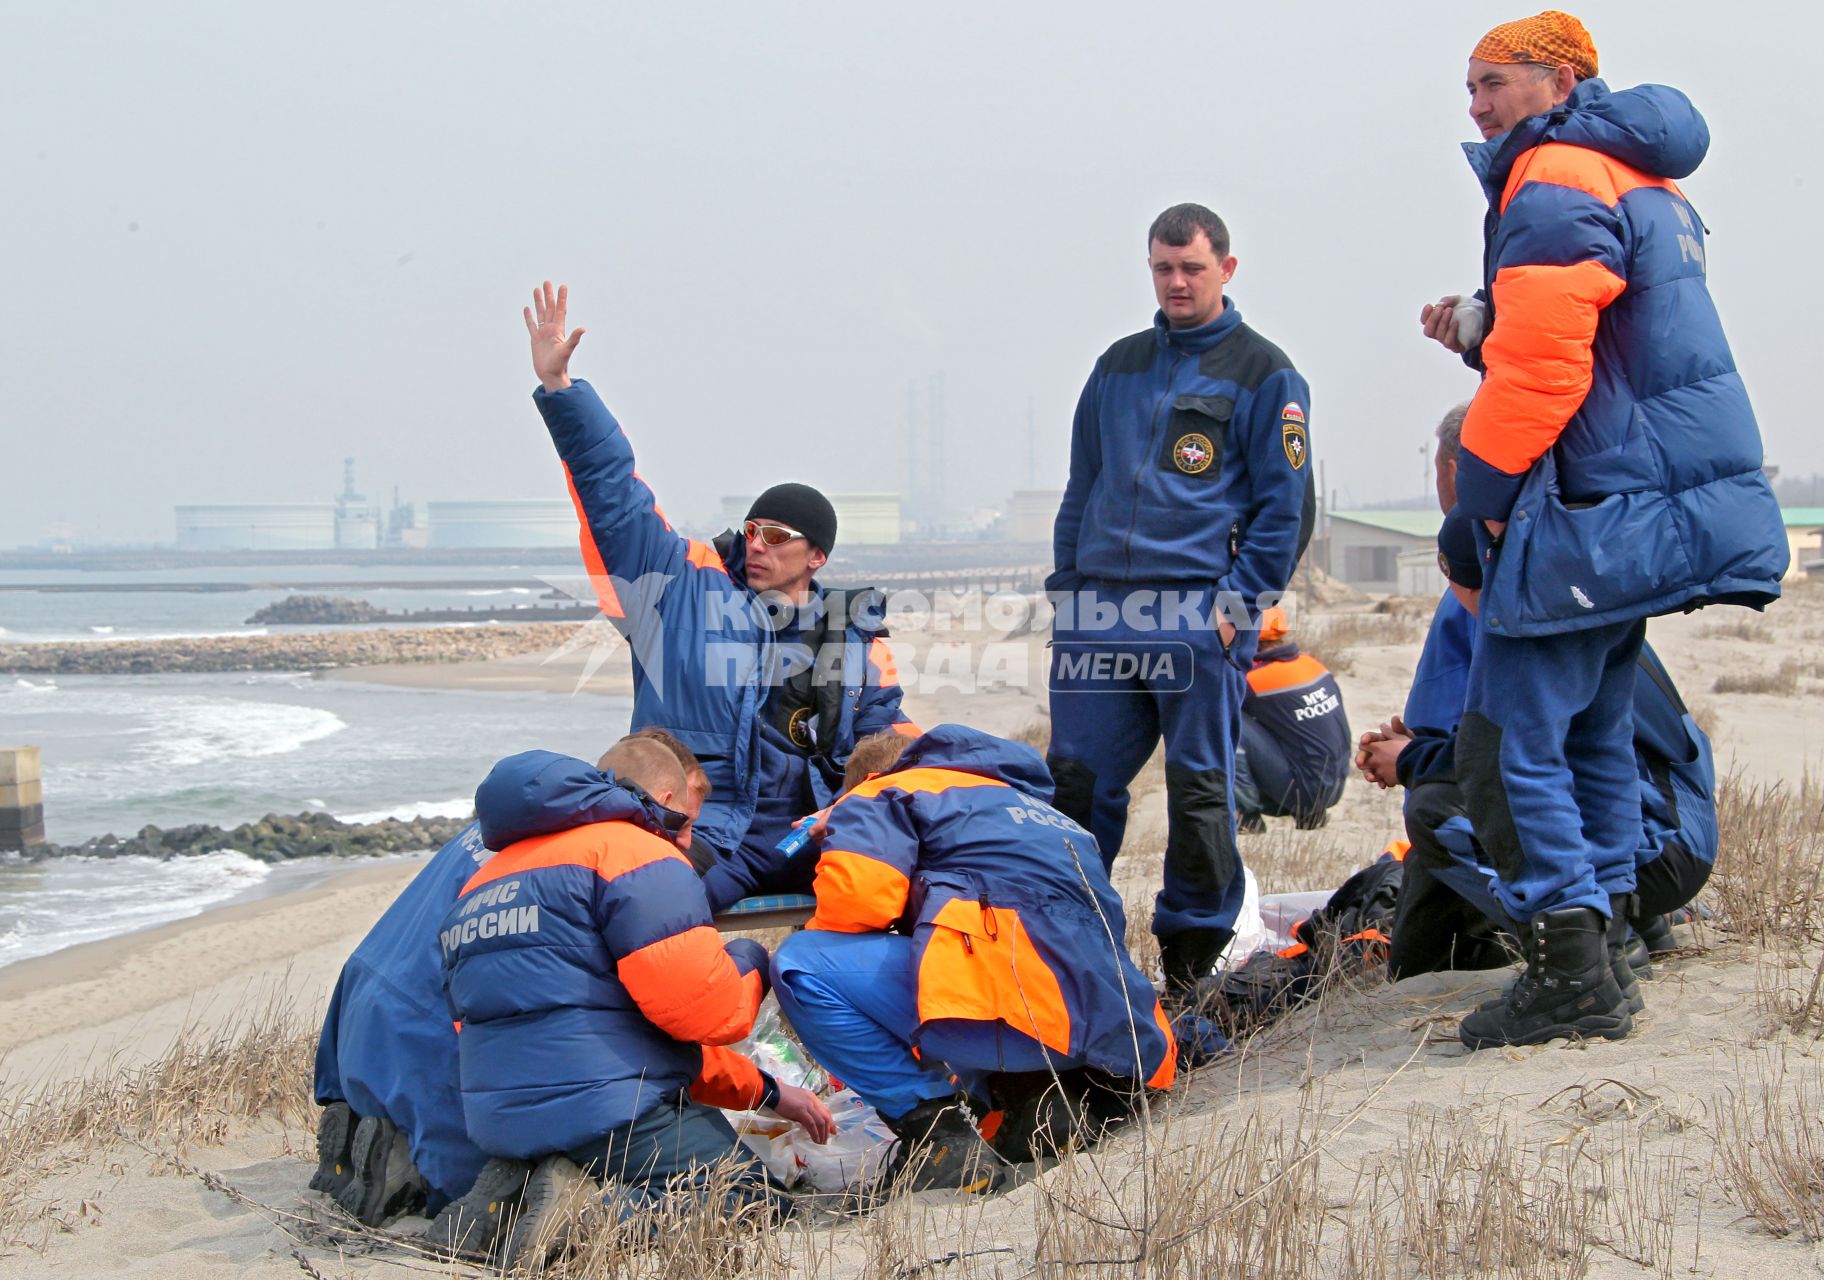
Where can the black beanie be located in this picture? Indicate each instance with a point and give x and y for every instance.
(1457, 555)
(803, 508)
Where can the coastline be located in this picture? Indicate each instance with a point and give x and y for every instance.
(120, 1002)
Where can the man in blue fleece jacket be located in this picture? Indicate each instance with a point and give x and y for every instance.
(1189, 502)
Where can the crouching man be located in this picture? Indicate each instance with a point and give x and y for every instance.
(391, 1139)
(965, 929)
(1295, 748)
(587, 980)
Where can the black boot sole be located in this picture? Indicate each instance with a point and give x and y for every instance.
(365, 1197)
(1594, 1026)
(335, 1142)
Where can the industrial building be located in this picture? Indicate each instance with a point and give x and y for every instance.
(1395, 552)
(862, 519)
(530, 522)
(1031, 513)
(285, 526)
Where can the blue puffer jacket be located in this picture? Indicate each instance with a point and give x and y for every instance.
(702, 646)
(1023, 960)
(1612, 432)
(1189, 464)
(581, 962)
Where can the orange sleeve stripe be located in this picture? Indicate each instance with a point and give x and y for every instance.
(592, 555)
(704, 556)
(1539, 360)
(880, 653)
(1563, 164)
(1274, 676)
(687, 986)
(906, 729)
(922, 780)
(856, 893)
(727, 1080)
(610, 849)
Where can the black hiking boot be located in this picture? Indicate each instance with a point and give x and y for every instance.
(938, 1147)
(335, 1144)
(1041, 1116)
(384, 1182)
(542, 1229)
(1617, 937)
(479, 1224)
(1250, 824)
(1568, 988)
(1187, 958)
(1656, 933)
(1312, 821)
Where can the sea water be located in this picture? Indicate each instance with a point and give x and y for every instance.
(121, 752)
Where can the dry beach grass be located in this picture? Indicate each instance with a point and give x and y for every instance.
(1353, 1139)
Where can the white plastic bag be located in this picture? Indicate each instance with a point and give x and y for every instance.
(855, 1154)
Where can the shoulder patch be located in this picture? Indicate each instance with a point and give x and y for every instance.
(1132, 354)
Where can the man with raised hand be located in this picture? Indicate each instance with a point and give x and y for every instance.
(1612, 467)
(1189, 502)
(766, 676)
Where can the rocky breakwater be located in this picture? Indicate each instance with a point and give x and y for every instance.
(316, 611)
(285, 653)
(274, 838)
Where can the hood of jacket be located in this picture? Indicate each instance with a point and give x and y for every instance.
(537, 793)
(956, 746)
(1650, 127)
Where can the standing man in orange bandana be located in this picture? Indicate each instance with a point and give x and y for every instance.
(1611, 466)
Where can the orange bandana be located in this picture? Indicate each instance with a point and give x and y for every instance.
(1548, 39)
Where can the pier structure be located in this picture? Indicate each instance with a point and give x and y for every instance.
(21, 799)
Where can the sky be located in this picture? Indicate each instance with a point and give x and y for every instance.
(244, 241)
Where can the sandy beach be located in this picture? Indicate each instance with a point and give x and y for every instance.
(1357, 1088)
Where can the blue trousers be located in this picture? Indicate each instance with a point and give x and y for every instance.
(853, 1000)
(1545, 756)
(676, 1148)
(1266, 783)
(1116, 690)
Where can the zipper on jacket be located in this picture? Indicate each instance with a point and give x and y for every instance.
(1133, 512)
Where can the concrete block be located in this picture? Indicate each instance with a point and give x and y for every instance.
(19, 764)
(30, 815)
(19, 841)
(17, 795)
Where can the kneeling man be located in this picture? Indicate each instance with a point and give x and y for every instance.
(592, 991)
(966, 930)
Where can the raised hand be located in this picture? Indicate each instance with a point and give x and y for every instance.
(550, 348)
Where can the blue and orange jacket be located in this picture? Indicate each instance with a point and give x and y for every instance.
(1190, 462)
(1295, 699)
(1611, 432)
(583, 968)
(1022, 952)
(701, 644)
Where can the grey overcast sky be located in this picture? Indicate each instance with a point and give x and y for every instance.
(243, 240)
